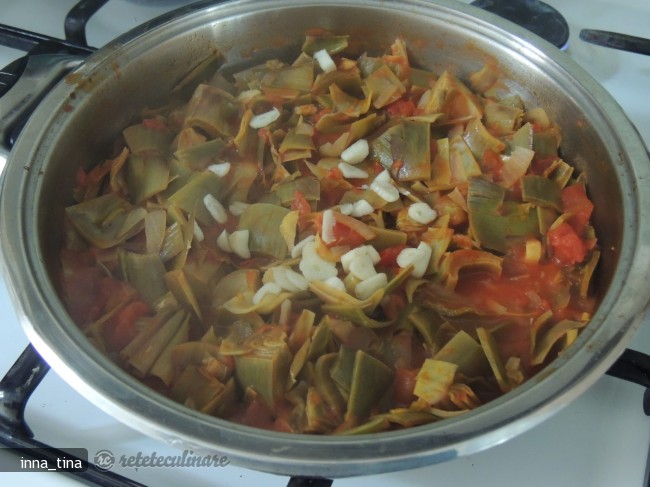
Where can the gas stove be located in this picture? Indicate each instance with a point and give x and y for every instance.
(600, 439)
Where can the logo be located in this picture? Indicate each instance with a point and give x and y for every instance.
(104, 460)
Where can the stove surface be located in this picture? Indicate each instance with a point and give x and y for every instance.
(601, 439)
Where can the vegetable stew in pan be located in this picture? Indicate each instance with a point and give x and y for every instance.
(335, 245)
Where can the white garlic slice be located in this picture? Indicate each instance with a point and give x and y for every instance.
(346, 208)
(223, 243)
(384, 188)
(215, 208)
(297, 249)
(369, 250)
(422, 213)
(368, 287)
(313, 267)
(220, 169)
(357, 152)
(264, 119)
(270, 288)
(361, 208)
(325, 61)
(351, 172)
(362, 267)
(198, 233)
(238, 241)
(286, 278)
(238, 207)
(335, 282)
(327, 231)
(418, 257)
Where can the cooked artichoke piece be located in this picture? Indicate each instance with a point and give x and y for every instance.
(370, 380)
(264, 221)
(106, 221)
(466, 353)
(434, 380)
(265, 366)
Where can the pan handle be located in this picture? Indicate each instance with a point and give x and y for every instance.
(41, 72)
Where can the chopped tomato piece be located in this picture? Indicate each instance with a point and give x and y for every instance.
(576, 202)
(120, 329)
(539, 166)
(257, 414)
(388, 256)
(344, 235)
(567, 246)
(401, 108)
(83, 296)
(404, 385)
(300, 203)
(334, 173)
(393, 305)
(492, 163)
(154, 124)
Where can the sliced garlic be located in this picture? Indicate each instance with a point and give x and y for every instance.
(335, 282)
(264, 119)
(220, 169)
(368, 250)
(198, 233)
(361, 208)
(313, 267)
(385, 191)
(296, 251)
(357, 152)
(223, 243)
(383, 187)
(325, 61)
(327, 231)
(216, 209)
(238, 207)
(238, 241)
(346, 208)
(247, 95)
(422, 213)
(351, 172)
(368, 287)
(270, 288)
(418, 257)
(362, 267)
(286, 278)
(297, 280)
(384, 177)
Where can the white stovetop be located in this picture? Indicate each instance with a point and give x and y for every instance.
(601, 439)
